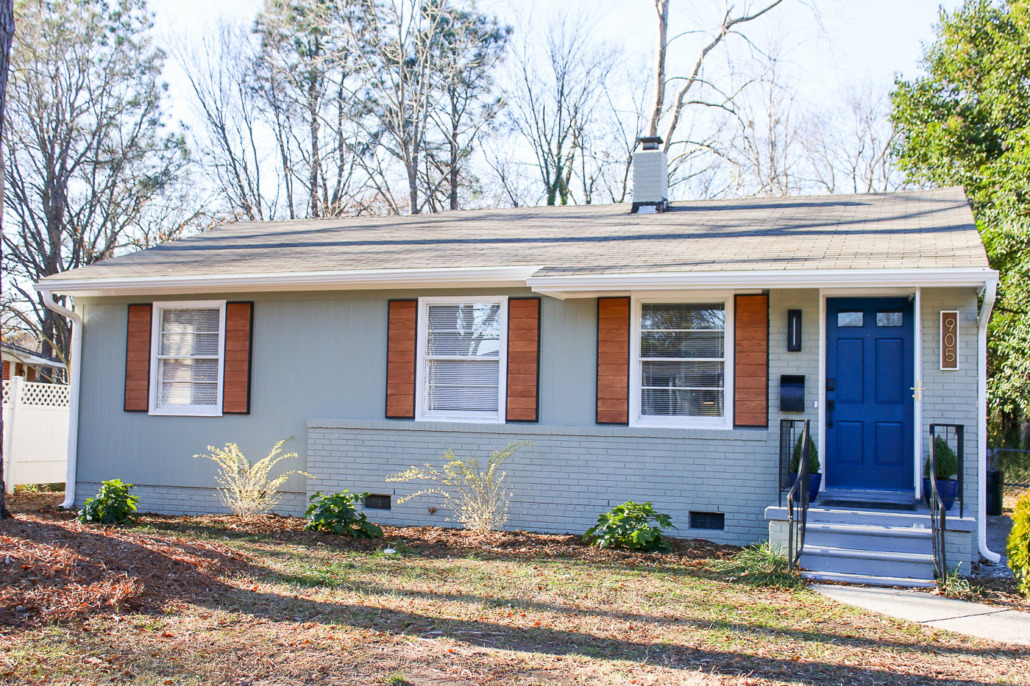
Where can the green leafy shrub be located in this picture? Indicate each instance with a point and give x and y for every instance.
(476, 495)
(338, 514)
(813, 456)
(760, 565)
(111, 505)
(245, 487)
(1018, 548)
(946, 460)
(631, 525)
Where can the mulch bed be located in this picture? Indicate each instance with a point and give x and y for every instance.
(56, 569)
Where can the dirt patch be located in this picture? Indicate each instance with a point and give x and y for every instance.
(57, 569)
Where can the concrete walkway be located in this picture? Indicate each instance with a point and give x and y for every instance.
(974, 619)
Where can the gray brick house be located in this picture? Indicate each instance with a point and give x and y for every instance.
(649, 352)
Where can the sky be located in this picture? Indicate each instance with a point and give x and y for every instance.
(828, 44)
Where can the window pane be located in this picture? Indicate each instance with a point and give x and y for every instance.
(189, 332)
(472, 330)
(189, 370)
(681, 403)
(189, 394)
(682, 374)
(683, 316)
(889, 318)
(682, 343)
(850, 319)
(459, 385)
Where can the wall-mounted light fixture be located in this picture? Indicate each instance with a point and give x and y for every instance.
(793, 331)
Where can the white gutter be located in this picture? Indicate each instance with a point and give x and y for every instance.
(990, 293)
(75, 362)
(587, 284)
(479, 277)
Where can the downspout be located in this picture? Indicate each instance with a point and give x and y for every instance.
(990, 293)
(74, 370)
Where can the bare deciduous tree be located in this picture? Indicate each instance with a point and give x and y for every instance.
(689, 84)
(553, 111)
(850, 149)
(6, 38)
(90, 168)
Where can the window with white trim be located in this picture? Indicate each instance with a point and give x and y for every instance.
(186, 358)
(462, 357)
(681, 364)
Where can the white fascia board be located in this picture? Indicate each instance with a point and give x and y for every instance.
(592, 284)
(480, 277)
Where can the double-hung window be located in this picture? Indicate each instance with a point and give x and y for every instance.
(681, 364)
(462, 351)
(186, 363)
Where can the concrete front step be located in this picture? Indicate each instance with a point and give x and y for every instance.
(894, 539)
(823, 559)
(867, 580)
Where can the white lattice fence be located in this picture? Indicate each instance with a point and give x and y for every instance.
(35, 432)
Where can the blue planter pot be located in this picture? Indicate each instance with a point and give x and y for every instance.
(948, 488)
(814, 482)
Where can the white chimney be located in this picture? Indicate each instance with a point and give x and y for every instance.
(650, 177)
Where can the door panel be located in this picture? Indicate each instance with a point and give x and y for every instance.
(849, 442)
(869, 412)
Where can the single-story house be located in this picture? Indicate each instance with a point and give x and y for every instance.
(650, 352)
(29, 364)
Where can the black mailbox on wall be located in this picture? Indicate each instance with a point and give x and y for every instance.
(792, 393)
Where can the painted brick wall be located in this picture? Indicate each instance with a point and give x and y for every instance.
(567, 477)
(949, 397)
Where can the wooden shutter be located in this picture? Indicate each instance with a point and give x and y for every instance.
(400, 359)
(523, 359)
(751, 361)
(239, 338)
(613, 360)
(137, 358)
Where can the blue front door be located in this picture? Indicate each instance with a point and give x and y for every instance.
(869, 412)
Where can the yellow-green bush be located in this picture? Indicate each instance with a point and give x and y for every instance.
(1018, 548)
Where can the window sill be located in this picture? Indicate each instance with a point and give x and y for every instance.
(685, 423)
(460, 419)
(186, 412)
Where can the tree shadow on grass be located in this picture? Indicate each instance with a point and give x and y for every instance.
(175, 569)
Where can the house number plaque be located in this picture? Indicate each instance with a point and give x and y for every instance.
(949, 340)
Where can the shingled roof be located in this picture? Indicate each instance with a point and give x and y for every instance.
(929, 229)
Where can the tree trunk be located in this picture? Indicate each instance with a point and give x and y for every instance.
(6, 37)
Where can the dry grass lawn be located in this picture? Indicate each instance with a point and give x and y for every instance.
(214, 600)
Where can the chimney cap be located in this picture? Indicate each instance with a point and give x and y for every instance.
(650, 142)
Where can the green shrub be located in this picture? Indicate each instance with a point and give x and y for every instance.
(1018, 548)
(112, 505)
(813, 456)
(476, 495)
(631, 525)
(947, 460)
(760, 565)
(337, 514)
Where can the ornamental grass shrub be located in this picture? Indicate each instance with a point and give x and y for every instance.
(246, 488)
(475, 494)
(111, 505)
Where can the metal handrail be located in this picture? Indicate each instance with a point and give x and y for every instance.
(958, 431)
(797, 505)
(938, 518)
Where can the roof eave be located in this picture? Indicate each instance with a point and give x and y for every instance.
(585, 285)
(482, 277)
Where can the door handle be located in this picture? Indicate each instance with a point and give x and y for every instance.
(829, 414)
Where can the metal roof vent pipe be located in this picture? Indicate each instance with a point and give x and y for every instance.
(650, 177)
